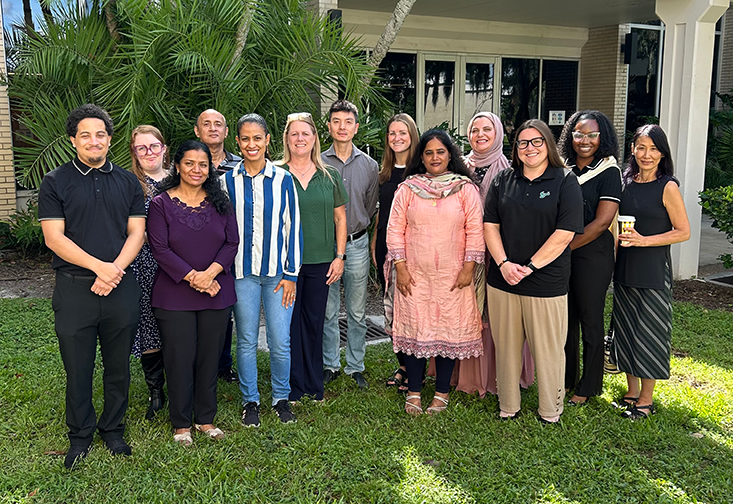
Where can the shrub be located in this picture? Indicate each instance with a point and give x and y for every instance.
(26, 230)
(718, 203)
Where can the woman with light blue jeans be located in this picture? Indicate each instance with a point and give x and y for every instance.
(268, 261)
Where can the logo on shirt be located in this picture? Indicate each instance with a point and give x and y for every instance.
(544, 194)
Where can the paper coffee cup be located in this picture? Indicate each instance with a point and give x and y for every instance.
(625, 224)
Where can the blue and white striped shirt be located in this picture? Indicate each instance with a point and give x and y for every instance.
(268, 218)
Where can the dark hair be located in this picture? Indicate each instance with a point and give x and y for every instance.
(87, 111)
(217, 196)
(455, 164)
(657, 135)
(609, 140)
(343, 106)
(552, 155)
(257, 119)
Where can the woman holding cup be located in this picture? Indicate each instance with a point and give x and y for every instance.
(642, 300)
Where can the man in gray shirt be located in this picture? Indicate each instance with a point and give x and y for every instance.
(360, 176)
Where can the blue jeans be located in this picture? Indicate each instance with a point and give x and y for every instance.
(250, 291)
(355, 278)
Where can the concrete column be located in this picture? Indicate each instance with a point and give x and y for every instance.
(7, 173)
(685, 103)
(322, 7)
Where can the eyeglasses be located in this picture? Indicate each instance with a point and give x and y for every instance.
(536, 142)
(299, 116)
(142, 150)
(578, 136)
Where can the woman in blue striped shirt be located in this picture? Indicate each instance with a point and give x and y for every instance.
(266, 267)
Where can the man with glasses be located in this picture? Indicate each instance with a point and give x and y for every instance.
(359, 173)
(92, 214)
(211, 128)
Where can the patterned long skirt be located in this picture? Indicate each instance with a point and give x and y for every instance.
(642, 323)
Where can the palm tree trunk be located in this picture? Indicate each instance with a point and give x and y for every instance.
(111, 20)
(401, 10)
(243, 30)
(28, 16)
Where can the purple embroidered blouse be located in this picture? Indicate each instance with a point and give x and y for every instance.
(183, 238)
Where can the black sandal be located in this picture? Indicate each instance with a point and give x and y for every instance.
(639, 412)
(625, 402)
(397, 378)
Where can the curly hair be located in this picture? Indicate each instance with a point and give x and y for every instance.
(455, 164)
(88, 111)
(657, 135)
(211, 186)
(609, 140)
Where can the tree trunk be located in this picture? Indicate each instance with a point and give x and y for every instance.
(28, 16)
(111, 20)
(46, 11)
(243, 30)
(401, 10)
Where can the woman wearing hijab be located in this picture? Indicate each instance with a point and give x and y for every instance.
(486, 159)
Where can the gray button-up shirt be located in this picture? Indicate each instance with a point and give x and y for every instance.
(360, 174)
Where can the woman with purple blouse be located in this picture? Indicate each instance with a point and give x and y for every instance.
(193, 234)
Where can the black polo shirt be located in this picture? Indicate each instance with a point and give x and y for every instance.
(95, 203)
(528, 212)
(604, 186)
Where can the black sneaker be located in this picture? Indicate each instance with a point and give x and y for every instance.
(329, 376)
(76, 454)
(282, 408)
(118, 447)
(251, 415)
(229, 375)
(360, 380)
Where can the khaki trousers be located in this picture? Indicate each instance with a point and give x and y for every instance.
(544, 323)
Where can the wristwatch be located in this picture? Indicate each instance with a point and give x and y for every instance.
(532, 266)
(341, 256)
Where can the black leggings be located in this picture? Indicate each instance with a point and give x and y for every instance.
(416, 373)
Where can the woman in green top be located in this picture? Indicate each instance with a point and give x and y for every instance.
(321, 199)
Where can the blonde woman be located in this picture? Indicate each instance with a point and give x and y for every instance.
(322, 199)
(149, 155)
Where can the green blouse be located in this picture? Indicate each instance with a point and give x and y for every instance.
(316, 214)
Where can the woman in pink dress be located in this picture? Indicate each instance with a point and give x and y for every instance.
(434, 239)
(486, 159)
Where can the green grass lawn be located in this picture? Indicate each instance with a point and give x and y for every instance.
(361, 447)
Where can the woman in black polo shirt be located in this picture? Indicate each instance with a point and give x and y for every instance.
(532, 213)
(589, 145)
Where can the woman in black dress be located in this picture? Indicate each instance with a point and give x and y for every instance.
(149, 161)
(589, 146)
(642, 283)
(400, 145)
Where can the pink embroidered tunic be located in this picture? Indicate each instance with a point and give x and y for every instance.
(436, 236)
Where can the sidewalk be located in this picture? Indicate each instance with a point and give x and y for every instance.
(712, 244)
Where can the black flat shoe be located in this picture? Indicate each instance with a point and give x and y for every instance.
(578, 403)
(229, 376)
(329, 376)
(360, 380)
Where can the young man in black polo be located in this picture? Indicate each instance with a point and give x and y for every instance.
(211, 128)
(92, 213)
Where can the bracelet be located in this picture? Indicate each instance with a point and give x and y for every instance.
(397, 261)
(506, 259)
(531, 266)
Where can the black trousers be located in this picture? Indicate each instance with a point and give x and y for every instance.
(416, 373)
(591, 270)
(306, 332)
(82, 317)
(225, 359)
(191, 343)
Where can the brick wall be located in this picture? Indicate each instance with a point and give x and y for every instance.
(603, 75)
(726, 60)
(7, 178)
